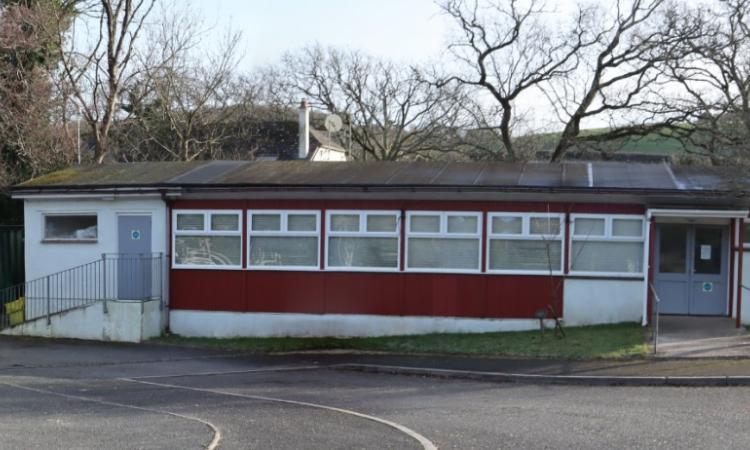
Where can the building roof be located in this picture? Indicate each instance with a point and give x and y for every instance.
(465, 176)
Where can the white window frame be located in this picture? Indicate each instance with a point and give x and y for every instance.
(607, 237)
(205, 232)
(443, 234)
(46, 240)
(363, 233)
(283, 232)
(526, 236)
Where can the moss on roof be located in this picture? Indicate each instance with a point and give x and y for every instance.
(114, 174)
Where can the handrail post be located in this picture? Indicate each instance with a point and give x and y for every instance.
(49, 320)
(104, 282)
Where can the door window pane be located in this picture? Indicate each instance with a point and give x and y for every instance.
(707, 254)
(672, 248)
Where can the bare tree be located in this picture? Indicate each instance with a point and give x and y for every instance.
(184, 100)
(505, 48)
(621, 78)
(95, 72)
(393, 112)
(714, 82)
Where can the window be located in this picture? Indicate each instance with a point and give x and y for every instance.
(360, 240)
(207, 239)
(283, 240)
(72, 228)
(611, 245)
(746, 229)
(443, 241)
(525, 243)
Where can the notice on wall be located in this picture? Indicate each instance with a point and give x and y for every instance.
(705, 252)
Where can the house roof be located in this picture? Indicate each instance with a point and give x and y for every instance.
(393, 176)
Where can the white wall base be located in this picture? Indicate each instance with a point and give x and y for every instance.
(220, 324)
(122, 323)
(591, 302)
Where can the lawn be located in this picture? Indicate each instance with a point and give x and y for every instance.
(606, 341)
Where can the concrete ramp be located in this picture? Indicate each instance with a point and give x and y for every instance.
(701, 337)
(123, 321)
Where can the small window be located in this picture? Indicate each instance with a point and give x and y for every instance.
(74, 228)
(207, 239)
(527, 243)
(610, 245)
(443, 241)
(280, 240)
(359, 240)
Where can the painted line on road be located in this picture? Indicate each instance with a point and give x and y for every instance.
(229, 372)
(423, 441)
(215, 440)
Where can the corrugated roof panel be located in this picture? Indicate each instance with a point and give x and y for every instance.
(115, 174)
(500, 174)
(631, 176)
(541, 175)
(416, 173)
(575, 175)
(207, 173)
(459, 174)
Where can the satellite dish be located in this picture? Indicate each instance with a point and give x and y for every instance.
(333, 123)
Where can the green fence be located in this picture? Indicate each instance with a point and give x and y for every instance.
(11, 255)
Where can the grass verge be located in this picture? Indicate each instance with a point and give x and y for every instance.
(606, 341)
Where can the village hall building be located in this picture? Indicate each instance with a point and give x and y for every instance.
(302, 248)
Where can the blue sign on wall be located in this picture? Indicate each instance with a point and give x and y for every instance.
(135, 235)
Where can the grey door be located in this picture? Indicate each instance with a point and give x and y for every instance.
(691, 269)
(134, 261)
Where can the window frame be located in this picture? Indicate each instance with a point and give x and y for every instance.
(443, 234)
(46, 240)
(608, 237)
(363, 233)
(283, 232)
(526, 236)
(206, 232)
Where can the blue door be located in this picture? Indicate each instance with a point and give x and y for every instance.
(134, 263)
(691, 273)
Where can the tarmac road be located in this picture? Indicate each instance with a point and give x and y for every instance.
(89, 395)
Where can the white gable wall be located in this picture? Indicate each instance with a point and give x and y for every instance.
(44, 258)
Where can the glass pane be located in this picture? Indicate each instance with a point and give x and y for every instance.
(672, 248)
(266, 222)
(746, 227)
(588, 227)
(525, 255)
(284, 251)
(190, 222)
(708, 252)
(507, 225)
(615, 257)
(208, 250)
(425, 224)
(302, 222)
(381, 223)
(344, 222)
(627, 227)
(544, 225)
(225, 222)
(436, 253)
(463, 224)
(70, 227)
(363, 252)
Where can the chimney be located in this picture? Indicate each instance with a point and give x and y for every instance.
(304, 129)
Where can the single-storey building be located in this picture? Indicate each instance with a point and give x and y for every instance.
(299, 248)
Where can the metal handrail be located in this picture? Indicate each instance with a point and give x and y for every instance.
(655, 321)
(134, 277)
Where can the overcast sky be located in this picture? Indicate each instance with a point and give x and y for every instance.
(404, 30)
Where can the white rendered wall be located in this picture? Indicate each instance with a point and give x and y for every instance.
(591, 302)
(220, 324)
(46, 258)
(123, 322)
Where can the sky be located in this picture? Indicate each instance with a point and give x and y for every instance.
(403, 30)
